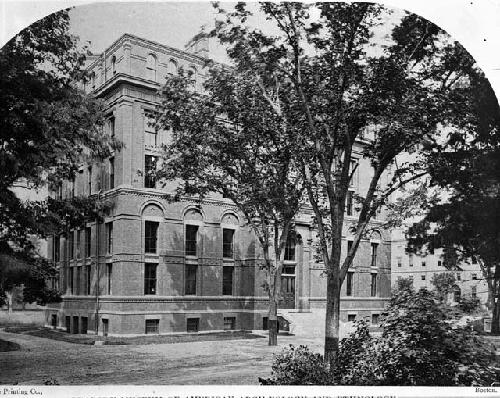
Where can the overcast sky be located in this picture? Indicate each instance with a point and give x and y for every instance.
(476, 24)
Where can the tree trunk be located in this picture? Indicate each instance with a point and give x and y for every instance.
(495, 320)
(272, 322)
(332, 324)
(10, 296)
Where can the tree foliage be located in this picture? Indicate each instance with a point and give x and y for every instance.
(466, 222)
(443, 284)
(341, 91)
(48, 127)
(228, 141)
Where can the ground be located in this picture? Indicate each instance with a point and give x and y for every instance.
(205, 362)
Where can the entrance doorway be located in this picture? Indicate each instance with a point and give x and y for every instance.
(288, 287)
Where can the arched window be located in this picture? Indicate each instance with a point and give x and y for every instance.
(290, 248)
(192, 75)
(151, 67)
(113, 65)
(172, 67)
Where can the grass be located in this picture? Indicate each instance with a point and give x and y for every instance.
(8, 346)
(139, 340)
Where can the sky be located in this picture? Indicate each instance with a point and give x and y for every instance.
(475, 24)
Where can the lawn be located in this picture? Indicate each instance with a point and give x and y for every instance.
(139, 340)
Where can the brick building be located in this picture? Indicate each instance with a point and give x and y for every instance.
(421, 268)
(159, 267)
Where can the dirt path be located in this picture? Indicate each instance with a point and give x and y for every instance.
(214, 362)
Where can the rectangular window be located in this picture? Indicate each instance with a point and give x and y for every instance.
(56, 248)
(89, 180)
(351, 317)
(151, 235)
(375, 319)
(474, 292)
(152, 326)
(349, 283)
(349, 245)
(150, 132)
(373, 285)
(88, 242)
(79, 243)
(265, 325)
(227, 243)
(71, 245)
(112, 126)
(191, 240)
(474, 277)
(149, 171)
(459, 277)
(348, 204)
(229, 323)
(410, 259)
(85, 325)
(150, 278)
(109, 278)
(227, 280)
(89, 280)
(109, 237)
(400, 262)
(78, 279)
(192, 324)
(374, 254)
(440, 263)
(70, 280)
(422, 277)
(111, 173)
(290, 249)
(423, 264)
(190, 279)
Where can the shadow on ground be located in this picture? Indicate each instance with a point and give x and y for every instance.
(139, 340)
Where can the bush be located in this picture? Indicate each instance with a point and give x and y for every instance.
(469, 304)
(297, 366)
(419, 346)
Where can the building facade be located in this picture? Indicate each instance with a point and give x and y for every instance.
(156, 266)
(469, 280)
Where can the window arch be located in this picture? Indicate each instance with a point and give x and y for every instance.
(151, 67)
(193, 76)
(172, 67)
(291, 242)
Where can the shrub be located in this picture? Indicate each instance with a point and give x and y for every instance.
(469, 304)
(297, 366)
(419, 346)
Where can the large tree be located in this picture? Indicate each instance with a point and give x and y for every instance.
(348, 89)
(48, 125)
(465, 223)
(228, 140)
